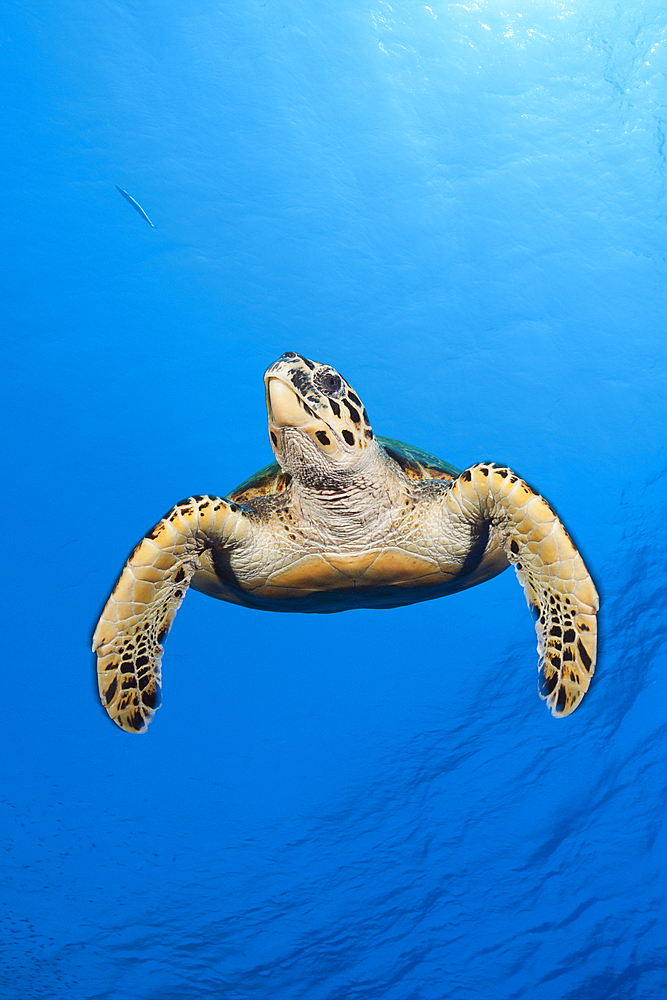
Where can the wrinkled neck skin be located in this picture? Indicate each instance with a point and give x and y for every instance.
(345, 501)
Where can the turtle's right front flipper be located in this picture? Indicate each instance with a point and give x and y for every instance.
(129, 635)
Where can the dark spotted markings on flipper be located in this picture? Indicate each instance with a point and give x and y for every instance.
(555, 580)
(139, 613)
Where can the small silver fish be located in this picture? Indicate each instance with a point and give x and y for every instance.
(134, 204)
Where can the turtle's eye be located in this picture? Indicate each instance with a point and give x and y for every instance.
(329, 382)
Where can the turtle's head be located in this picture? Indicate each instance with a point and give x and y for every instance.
(318, 426)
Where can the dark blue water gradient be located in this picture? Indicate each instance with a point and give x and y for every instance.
(463, 209)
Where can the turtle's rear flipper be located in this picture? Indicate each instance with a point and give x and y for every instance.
(555, 580)
(138, 615)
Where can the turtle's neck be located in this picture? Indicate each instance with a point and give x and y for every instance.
(348, 504)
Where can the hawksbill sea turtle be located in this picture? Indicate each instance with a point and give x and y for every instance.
(345, 520)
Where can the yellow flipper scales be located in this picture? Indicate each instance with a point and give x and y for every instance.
(557, 584)
(139, 613)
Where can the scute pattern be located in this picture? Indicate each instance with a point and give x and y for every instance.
(418, 464)
(557, 584)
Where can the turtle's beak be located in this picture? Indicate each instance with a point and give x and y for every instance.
(285, 407)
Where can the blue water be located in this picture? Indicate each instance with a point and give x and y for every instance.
(463, 208)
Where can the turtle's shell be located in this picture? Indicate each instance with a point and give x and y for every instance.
(415, 462)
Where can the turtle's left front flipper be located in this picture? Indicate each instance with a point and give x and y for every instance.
(555, 580)
(129, 635)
